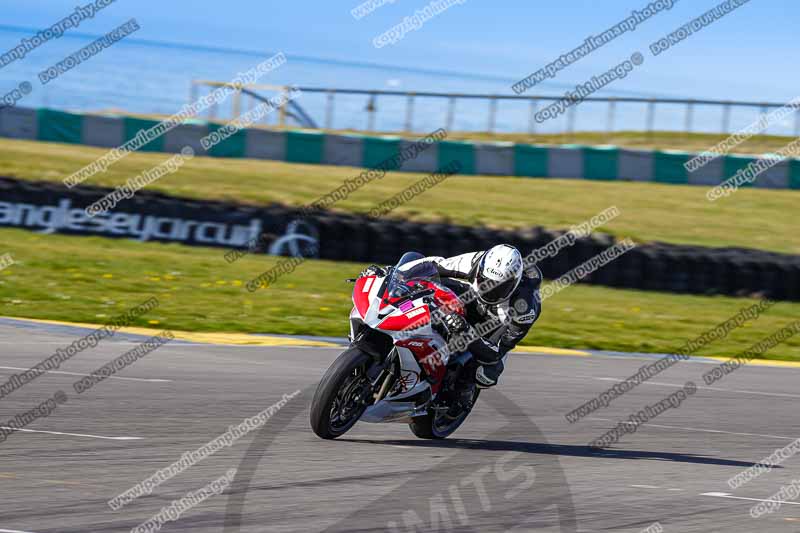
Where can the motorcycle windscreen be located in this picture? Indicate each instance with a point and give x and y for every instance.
(408, 278)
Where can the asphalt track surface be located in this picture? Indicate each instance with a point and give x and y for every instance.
(516, 465)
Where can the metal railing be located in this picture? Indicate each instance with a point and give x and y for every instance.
(492, 101)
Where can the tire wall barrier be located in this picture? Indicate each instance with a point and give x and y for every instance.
(607, 163)
(278, 229)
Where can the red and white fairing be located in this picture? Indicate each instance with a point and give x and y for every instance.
(421, 349)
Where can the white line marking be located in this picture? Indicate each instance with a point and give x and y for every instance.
(659, 384)
(72, 435)
(704, 430)
(151, 380)
(727, 495)
(13, 531)
(644, 486)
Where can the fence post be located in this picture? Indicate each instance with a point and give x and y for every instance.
(492, 113)
(571, 122)
(532, 119)
(689, 116)
(651, 116)
(282, 113)
(371, 108)
(612, 108)
(237, 103)
(329, 109)
(451, 111)
(726, 117)
(409, 112)
(212, 111)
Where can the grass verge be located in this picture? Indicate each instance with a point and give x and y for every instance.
(83, 279)
(650, 212)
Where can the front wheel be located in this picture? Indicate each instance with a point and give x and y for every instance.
(441, 423)
(342, 395)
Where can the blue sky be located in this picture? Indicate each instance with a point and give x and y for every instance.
(750, 54)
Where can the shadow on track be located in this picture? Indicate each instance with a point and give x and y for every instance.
(565, 450)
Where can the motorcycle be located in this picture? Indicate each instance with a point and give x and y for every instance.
(398, 367)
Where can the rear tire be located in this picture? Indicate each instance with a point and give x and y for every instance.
(344, 377)
(429, 427)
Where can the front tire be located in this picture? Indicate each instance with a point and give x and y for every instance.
(342, 394)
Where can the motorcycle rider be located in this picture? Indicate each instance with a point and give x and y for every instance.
(501, 298)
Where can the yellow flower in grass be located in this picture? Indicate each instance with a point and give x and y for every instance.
(153, 322)
(205, 285)
(324, 308)
(108, 276)
(154, 278)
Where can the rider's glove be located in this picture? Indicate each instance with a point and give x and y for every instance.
(375, 270)
(455, 323)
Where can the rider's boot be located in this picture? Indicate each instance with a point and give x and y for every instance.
(487, 375)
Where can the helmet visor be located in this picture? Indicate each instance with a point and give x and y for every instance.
(492, 292)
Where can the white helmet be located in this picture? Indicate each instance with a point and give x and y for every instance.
(498, 275)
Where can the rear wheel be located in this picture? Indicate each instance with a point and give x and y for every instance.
(342, 395)
(441, 423)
